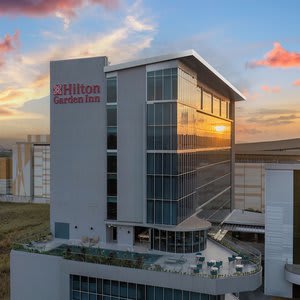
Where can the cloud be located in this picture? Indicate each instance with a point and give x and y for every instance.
(270, 89)
(297, 82)
(41, 8)
(27, 75)
(7, 45)
(274, 121)
(278, 57)
(245, 130)
(64, 9)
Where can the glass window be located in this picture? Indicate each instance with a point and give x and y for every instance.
(158, 113)
(167, 135)
(150, 87)
(112, 209)
(216, 106)
(168, 293)
(150, 137)
(158, 138)
(179, 242)
(158, 212)
(150, 211)
(195, 296)
(171, 241)
(112, 162)
(158, 187)
(206, 102)
(106, 287)
(159, 293)
(166, 212)
(84, 296)
(111, 185)
(99, 286)
(158, 86)
(174, 83)
(167, 167)
(150, 114)
(84, 284)
(140, 292)
(76, 295)
(92, 285)
(112, 138)
(150, 292)
(186, 295)
(131, 290)
(76, 282)
(123, 289)
(167, 79)
(177, 295)
(150, 163)
(93, 297)
(115, 288)
(167, 187)
(112, 89)
(223, 109)
(111, 115)
(150, 187)
(167, 111)
(158, 163)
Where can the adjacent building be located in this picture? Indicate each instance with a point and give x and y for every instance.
(5, 172)
(31, 170)
(142, 165)
(282, 237)
(250, 164)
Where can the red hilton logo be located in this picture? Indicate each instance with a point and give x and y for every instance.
(76, 93)
(57, 89)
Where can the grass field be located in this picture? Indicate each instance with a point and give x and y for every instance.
(19, 222)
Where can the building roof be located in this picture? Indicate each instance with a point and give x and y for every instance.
(206, 73)
(285, 147)
(243, 217)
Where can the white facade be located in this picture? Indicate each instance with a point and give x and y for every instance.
(279, 221)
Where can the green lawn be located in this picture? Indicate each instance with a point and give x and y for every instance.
(19, 222)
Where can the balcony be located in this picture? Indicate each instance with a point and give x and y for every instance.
(216, 270)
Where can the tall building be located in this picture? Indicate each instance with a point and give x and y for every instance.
(141, 162)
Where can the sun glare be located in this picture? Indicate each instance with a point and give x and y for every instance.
(220, 128)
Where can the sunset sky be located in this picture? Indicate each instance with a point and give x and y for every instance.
(254, 44)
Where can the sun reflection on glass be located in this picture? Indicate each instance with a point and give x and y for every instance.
(220, 128)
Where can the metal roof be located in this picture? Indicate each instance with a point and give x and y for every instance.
(205, 72)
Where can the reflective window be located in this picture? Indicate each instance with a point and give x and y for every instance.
(111, 115)
(111, 162)
(112, 138)
(112, 89)
(216, 106)
(162, 84)
(206, 102)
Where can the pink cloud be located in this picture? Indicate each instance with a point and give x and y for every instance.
(8, 44)
(270, 89)
(297, 82)
(278, 57)
(45, 7)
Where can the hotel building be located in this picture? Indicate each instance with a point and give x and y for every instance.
(141, 164)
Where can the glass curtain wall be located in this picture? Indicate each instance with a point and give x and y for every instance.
(111, 113)
(188, 150)
(90, 288)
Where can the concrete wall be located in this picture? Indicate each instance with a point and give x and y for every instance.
(36, 277)
(279, 231)
(78, 151)
(250, 186)
(131, 144)
(126, 235)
